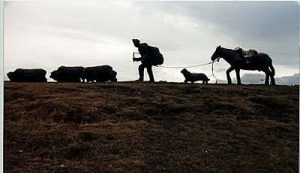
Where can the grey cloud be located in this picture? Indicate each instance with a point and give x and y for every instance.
(259, 78)
(253, 78)
(289, 80)
(242, 19)
(270, 27)
(77, 31)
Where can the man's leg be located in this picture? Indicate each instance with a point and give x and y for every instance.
(150, 73)
(141, 72)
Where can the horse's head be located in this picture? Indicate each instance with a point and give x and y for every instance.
(216, 54)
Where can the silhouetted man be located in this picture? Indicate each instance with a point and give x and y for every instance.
(145, 58)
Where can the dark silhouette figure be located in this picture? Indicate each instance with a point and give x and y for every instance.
(259, 61)
(102, 73)
(68, 74)
(149, 56)
(193, 77)
(27, 75)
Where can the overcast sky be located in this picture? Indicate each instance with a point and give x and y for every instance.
(48, 34)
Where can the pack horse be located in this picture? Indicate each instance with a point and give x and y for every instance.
(259, 61)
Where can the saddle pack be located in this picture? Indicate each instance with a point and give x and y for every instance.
(246, 54)
(249, 53)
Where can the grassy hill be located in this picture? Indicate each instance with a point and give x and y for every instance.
(143, 127)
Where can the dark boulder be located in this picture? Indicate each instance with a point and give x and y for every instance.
(27, 75)
(102, 73)
(68, 74)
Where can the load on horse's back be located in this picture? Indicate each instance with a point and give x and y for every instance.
(258, 61)
(246, 55)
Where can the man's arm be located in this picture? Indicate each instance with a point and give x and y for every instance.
(143, 51)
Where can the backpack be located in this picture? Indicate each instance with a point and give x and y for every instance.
(156, 57)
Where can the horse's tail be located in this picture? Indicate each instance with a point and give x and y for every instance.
(272, 70)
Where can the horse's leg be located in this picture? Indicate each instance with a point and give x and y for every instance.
(228, 74)
(267, 79)
(238, 78)
(267, 72)
(272, 80)
(272, 74)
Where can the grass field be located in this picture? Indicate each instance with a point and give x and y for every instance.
(144, 127)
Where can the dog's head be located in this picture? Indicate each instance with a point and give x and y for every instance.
(184, 71)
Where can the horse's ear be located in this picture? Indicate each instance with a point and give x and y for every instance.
(219, 46)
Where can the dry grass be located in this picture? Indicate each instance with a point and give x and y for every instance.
(142, 127)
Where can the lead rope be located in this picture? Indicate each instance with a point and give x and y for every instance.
(212, 69)
(212, 66)
(175, 66)
(185, 66)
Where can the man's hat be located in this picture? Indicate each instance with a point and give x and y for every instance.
(136, 41)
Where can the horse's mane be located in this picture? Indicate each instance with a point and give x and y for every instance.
(228, 49)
